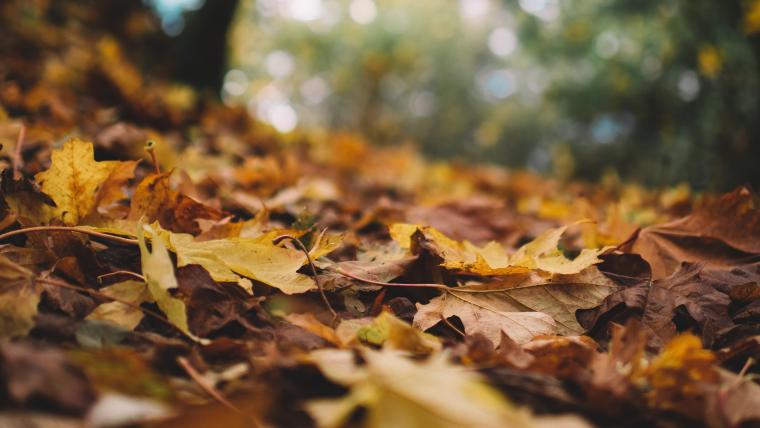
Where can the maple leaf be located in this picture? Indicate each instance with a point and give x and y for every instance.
(492, 260)
(19, 298)
(397, 391)
(72, 182)
(256, 258)
(522, 307)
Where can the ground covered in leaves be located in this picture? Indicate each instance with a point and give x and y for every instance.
(168, 261)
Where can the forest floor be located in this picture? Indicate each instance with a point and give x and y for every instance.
(168, 261)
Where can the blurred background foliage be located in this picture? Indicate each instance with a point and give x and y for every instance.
(658, 91)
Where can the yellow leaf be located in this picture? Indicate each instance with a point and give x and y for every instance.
(118, 313)
(492, 260)
(257, 258)
(676, 376)
(388, 331)
(72, 181)
(400, 392)
(158, 270)
(459, 256)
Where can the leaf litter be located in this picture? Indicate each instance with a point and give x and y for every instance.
(170, 261)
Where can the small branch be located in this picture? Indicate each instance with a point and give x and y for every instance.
(121, 272)
(300, 245)
(206, 386)
(390, 284)
(17, 159)
(452, 326)
(93, 233)
(150, 147)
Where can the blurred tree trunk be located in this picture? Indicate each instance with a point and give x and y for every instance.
(201, 49)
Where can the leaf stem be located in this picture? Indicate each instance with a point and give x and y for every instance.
(390, 284)
(93, 233)
(17, 160)
(300, 245)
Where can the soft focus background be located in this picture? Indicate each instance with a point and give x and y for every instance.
(658, 91)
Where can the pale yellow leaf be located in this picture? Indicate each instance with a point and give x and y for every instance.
(400, 392)
(158, 270)
(135, 292)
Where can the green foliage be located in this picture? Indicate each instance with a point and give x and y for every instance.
(660, 91)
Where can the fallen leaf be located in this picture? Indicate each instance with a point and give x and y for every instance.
(522, 307)
(72, 182)
(135, 292)
(388, 331)
(431, 393)
(158, 270)
(490, 314)
(155, 200)
(657, 303)
(492, 259)
(111, 192)
(723, 234)
(256, 258)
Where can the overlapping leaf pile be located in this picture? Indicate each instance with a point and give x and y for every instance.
(161, 252)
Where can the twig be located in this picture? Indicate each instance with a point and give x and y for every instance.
(452, 326)
(453, 289)
(150, 147)
(122, 272)
(300, 245)
(207, 387)
(114, 238)
(17, 160)
(389, 284)
(377, 303)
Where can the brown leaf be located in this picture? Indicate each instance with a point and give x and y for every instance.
(112, 191)
(723, 234)
(658, 304)
(155, 200)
